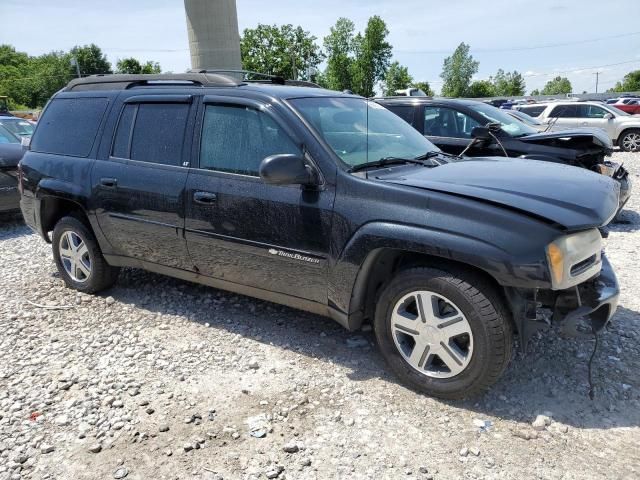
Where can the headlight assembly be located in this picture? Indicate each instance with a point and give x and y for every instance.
(574, 258)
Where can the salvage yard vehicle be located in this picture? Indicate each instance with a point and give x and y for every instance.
(18, 126)
(622, 128)
(11, 152)
(449, 124)
(325, 202)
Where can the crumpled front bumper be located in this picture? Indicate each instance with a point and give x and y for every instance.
(577, 311)
(596, 300)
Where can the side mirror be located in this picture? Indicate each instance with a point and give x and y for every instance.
(608, 116)
(287, 169)
(481, 133)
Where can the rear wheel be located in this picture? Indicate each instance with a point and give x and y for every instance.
(630, 141)
(447, 335)
(79, 258)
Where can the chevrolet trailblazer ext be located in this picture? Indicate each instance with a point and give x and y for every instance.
(325, 202)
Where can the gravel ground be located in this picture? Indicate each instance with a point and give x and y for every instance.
(162, 379)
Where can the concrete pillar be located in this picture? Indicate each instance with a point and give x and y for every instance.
(214, 39)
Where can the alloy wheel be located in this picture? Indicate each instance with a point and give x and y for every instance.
(432, 334)
(74, 255)
(631, 142)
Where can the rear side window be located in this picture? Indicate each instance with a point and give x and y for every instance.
(69, 126)
(151, 132)
(235, 139)
(565, 111)
(404, 112)
(533, 111)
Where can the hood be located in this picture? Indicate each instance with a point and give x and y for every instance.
(598, 136)
(10, 154)
(572, 197)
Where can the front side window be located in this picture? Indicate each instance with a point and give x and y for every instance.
(360, 131)
(446, 122)
(235, 139)
(591, 111)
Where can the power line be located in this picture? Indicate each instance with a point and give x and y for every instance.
(520, 49)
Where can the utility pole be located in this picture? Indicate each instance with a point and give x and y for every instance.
(597, 74)
(74, 63)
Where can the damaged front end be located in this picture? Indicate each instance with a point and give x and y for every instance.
(581, 310)
(584, 148)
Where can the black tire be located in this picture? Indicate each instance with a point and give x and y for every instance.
(625, 138)
(487, 317)
(102, 275)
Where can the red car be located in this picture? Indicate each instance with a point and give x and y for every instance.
(631, 106)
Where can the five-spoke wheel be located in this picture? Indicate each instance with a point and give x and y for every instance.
(444, 332)
(432, 334)
(75, 256)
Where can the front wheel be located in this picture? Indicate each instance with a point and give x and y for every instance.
(630, 141)
(447, 335)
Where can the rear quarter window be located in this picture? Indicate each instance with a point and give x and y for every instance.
(69, 126)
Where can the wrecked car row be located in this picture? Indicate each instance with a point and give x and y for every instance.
(325, 202)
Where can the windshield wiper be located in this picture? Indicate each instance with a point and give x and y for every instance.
(383, 162)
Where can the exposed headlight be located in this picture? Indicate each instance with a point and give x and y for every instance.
(607, 168)
(574, 258)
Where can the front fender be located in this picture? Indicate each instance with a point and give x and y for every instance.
(350, 273)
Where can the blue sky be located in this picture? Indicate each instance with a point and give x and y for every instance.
(423, 32)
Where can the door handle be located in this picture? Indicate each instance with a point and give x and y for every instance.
(109, 182)
(204, 198)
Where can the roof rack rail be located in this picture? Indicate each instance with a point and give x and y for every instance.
(125, 81)
(249, 76)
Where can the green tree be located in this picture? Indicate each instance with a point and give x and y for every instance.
(396, 78)
(557, 86)
(91, 60)
(132, 65)
(425, 87)
(630, 83)
(372, 57)
(30, 81)
(339, 47)
(457, 71)
(285, 50)
(508, 84)
(535, 92)
(481, 89)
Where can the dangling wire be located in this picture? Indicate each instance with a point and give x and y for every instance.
(592, 392)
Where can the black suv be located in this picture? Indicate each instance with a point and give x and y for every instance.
(450, 125)
(325, 202)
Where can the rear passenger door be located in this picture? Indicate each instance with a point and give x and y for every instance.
(139, 189)
(242, 230)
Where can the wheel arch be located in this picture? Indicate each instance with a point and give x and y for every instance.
(53, 208)
(624, 132)
(383, 264)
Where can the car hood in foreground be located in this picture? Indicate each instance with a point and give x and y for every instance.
(571, 197)
(599, 137)
(10, 154)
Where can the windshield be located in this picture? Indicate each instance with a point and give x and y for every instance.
(617, 111)
(18, 126)
(7, 137)
(510, 125)
(360, 131)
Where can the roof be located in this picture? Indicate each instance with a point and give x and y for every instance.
(427, 100)
(269, 85)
